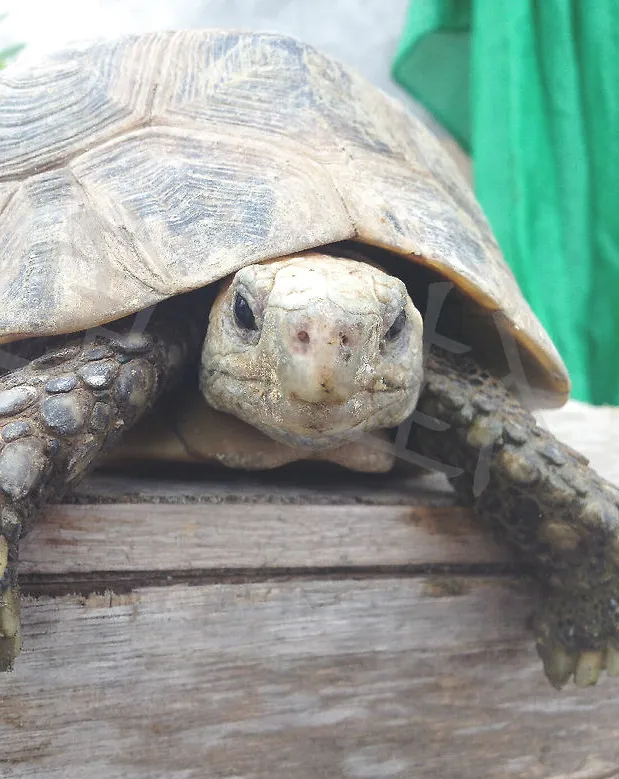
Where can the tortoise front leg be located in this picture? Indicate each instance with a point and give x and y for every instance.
(559, 514)
(60, 412)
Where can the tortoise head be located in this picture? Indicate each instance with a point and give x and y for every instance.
(313, 350)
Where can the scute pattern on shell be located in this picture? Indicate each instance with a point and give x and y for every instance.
(156, 164)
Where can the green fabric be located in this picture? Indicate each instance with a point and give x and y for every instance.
(540, 115)
(433, 61)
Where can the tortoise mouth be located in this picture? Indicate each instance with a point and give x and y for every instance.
(316, 425)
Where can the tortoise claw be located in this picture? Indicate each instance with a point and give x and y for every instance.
(585, 667)
(612, 658)
(10, 633)
(588, 668)
(559, 665)
(577, 634)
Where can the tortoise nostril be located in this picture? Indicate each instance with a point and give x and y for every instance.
(303, 336)
(343, 339)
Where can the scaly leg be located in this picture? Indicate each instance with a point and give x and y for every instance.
(61, 411)
(559, 514)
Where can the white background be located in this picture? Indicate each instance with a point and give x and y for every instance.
(363, 33)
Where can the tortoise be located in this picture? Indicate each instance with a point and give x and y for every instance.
(242, 216)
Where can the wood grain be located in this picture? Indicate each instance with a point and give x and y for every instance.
(295, 485)
(152, 537)
(296, 679)
(306, 640)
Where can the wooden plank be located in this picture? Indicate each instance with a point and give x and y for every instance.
(297, 679)
(333, 666)
(155, 537)
(294, 485)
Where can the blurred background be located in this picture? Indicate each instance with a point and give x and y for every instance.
(527, 89)
(363, 33)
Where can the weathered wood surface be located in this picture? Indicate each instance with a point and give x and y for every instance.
(326, 629)
(371, 678)
(149, 538)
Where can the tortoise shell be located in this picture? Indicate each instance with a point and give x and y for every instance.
(142, 168)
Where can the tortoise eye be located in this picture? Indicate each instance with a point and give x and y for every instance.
(397, 326)
(243, 313)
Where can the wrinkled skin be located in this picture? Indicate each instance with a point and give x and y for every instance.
(321, 361)
(313, 351)
(559, 515)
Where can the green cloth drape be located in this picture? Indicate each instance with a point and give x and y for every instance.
(531, 88)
